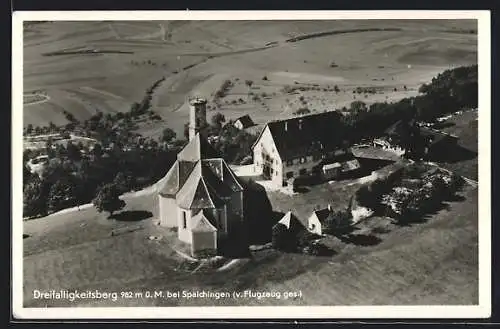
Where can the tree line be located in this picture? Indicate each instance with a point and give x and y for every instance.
(453, 90)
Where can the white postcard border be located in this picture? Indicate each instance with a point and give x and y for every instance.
(483, 310)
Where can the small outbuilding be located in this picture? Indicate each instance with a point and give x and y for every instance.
(323, 219)
(244, 122)
(316, 222)
(291, 222)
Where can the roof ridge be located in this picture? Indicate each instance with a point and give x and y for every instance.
(202, 179)
(231, 173)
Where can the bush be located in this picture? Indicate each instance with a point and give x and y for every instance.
(302, 111)
(370, 195)
(246, 160)
(107, 199)
(304, 238)
(339, 219)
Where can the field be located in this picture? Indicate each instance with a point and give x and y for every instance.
(83, 66)
(380, 264)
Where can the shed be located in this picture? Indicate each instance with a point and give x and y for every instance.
(243, 122)
(317, 220)
(331, 170)
(291, 222)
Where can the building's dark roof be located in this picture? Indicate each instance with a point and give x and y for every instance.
(435, 136)
(290, 221)
(402, 128)
(323, 214)
(306, 134)
(246, 121)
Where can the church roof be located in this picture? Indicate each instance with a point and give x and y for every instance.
(198, 148)
(306, 134)
(201, 190)
(199, 184)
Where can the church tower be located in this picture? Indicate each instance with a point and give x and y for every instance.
(197, 115)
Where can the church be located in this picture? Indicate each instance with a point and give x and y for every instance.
(200, 195)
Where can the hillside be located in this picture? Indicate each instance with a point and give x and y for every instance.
(427, 261)
(81, 67)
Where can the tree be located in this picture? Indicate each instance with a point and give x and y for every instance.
(168, 135)
(97, 150)
(249, 83)
(336, 88)
(34, 198)
(302, 111)
(122, 182)
(217, 119)
(358, 107)
(73, 152)
(337, 220)
(62, 194)
(29, 129)
(304, 238)
(70, 117)
(107, 199)
(26, 174)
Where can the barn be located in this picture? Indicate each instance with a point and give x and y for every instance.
(244, 122)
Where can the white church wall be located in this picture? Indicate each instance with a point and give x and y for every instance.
(168, 211)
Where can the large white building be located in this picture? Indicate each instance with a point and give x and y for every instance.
(286, 149)
(200, 194)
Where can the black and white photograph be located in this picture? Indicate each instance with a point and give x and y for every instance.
(307, 164)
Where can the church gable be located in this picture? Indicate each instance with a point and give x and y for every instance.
(230, 178)
(171, 183)
(201, 197)
(215, 166)
(197, 148)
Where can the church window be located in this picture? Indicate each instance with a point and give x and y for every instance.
(184, 220)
